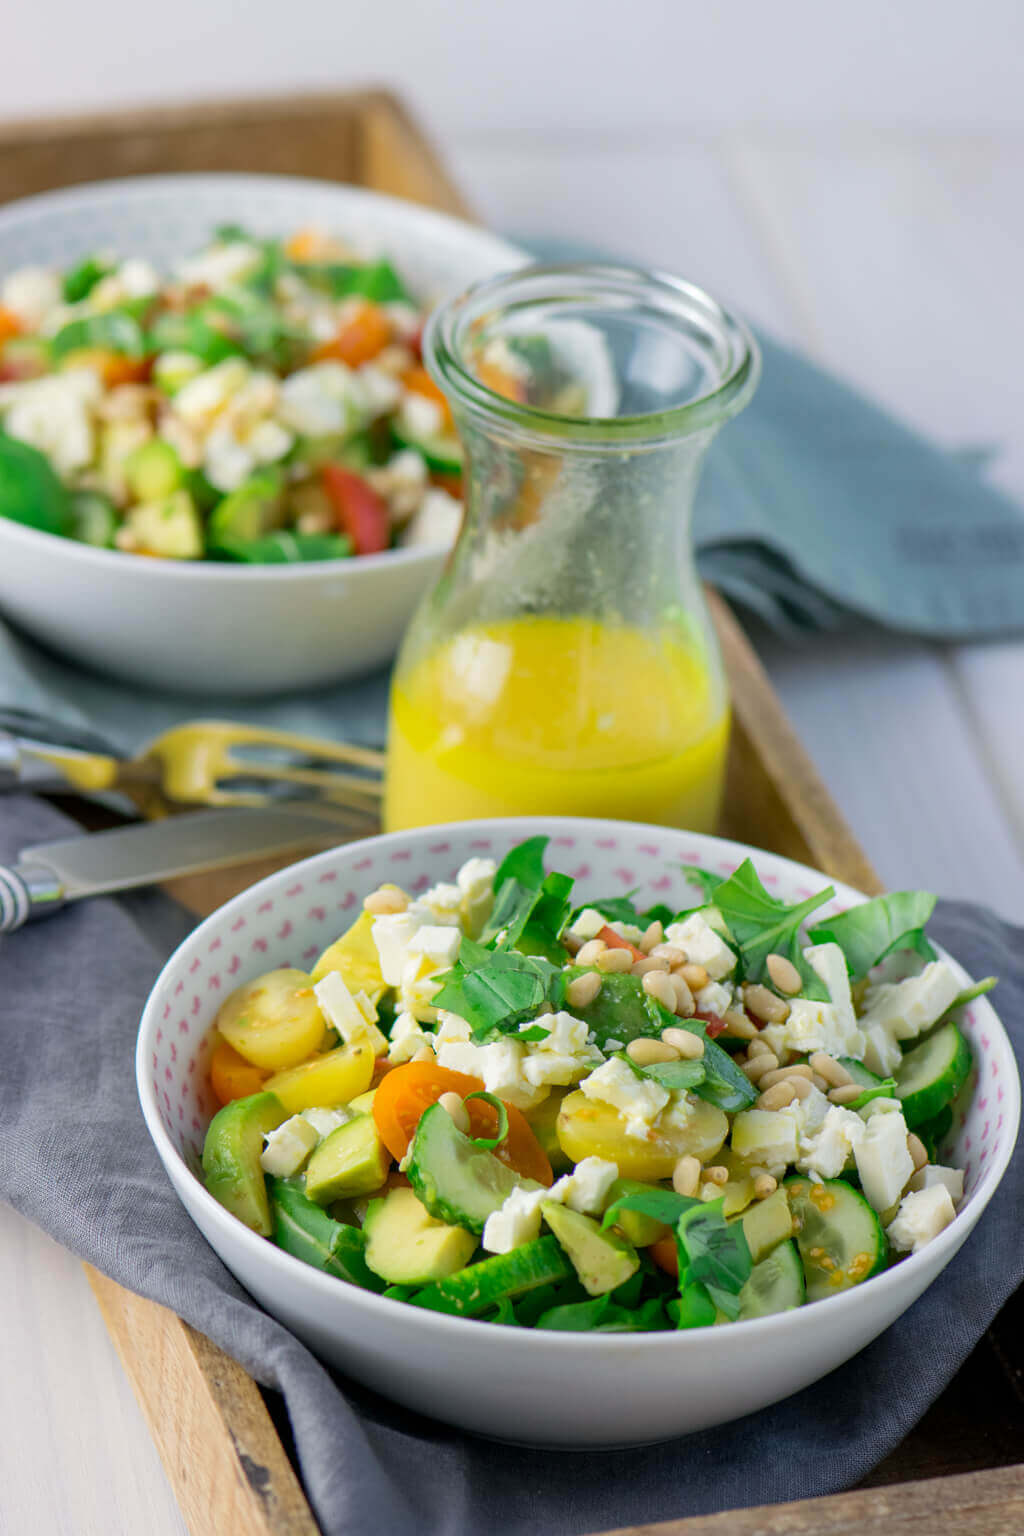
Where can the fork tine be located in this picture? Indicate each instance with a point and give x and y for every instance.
(232, 734)
(348, 785)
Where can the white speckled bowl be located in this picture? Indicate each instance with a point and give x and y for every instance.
(555, 1388)
(212, 628)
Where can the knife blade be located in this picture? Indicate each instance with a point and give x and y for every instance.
(50, 874)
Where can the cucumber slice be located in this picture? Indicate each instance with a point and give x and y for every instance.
(775, 1285)
(443, 454)
(301, 1228)
(839, 1236)
(93, 519)
(931, 1075)
(859, 1072)
(483, 1285)
(457, 1181)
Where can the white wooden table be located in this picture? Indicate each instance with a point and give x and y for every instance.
(893, 258)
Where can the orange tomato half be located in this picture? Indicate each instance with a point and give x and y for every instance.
(666, 1254)
(361, 337)
(403, 1095)
(231, 1076)
(10, 325)
(418, 381)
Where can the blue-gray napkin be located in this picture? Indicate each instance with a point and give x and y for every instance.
(75, 1157)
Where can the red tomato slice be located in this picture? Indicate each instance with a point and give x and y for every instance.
(362, 514)
(616, 941)
(406, 1092)
(665, 1254)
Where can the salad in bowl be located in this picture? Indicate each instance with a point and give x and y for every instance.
(505, 1101)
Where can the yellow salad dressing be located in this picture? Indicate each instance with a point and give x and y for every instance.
(566, 715)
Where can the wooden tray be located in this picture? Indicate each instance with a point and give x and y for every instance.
(212, 1424)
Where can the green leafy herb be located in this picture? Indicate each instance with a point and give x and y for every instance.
(713, 1253)
(724, 1083)
(191, 332)
(762, 926)
(603, 1315)
(533, 1035)
(505, 1313)
(934, 1131)
(81, 280)
(617, 909)
(376, 280)
(704, 880)
(494, 988)
(677, 1076)
(658, 913)
(979, 989)
(488, 1143)
(883, 1090)
(693, 1308)
(660, 1204)
(525, 863)
(866, 934)
(114, 331)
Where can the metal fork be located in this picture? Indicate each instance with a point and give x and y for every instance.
(204, 762)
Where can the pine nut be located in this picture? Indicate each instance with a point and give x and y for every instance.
(717, 1174)
(583, 989)
(759, 1066)
(738, 1026)
(827, 1066)
(683, 1003)
(784, 1074)
(670, 952)
(821, 1083)
(778, 1096)
(772, 1009)
(916, 1148)
(845, 1094)
(646, 1051)
(689, 1045)
(695, 976)
(686, 1176)
(804, 1087)
(387, 900)
(588, 953)
(614, 960)
(764, 1185)
(452, 1105)
(784, 974)
(650, 963)
(424, 1054)
(654, 934)
(658, 984)
(571, 942)
(759, 1047)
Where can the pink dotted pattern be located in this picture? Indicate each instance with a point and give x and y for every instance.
(290, 918)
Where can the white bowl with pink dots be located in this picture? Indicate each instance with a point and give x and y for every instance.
(518, 1384)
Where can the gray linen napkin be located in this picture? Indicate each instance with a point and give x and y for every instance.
(75, 1157)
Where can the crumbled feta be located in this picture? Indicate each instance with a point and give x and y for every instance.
(30, 293)
(131, 280)
(406, 1039)
(420, 418)
(268, 441)
(883, 1161)
(220, 265)
(437, 943)
(614, 1045)
(391, 933)
(565, 1033)
(932, 1174)
(589, 1184)
(53, 414)
(829, 1150)
(922, 1215)
(639, 1099)
(516, 1222)
(381, 391)
(405, 319)
(907, 1008)
(703, 945)
(882, 1053)
(288, 1147)
(324, 1121)
(587, 925)
(714, 998)
(441, 904)
(628, 931)
(880, 1106)
(199, 401)
(321, 400)
(475, 881)
(435, 521)
(500, 1066)
(451, 1027)
(227, 463)
(343, 1013)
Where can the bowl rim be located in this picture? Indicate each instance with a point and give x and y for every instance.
(283, 1264)
(128, 189)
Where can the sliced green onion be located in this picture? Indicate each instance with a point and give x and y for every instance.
(489, 1144)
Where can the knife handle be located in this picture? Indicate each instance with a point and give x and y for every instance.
(27, 891)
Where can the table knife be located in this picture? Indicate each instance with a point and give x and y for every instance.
(50, 874)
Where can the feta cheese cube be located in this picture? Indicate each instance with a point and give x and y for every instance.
(391, 933)
(441, 904)
(829, 1150)
(587, 925)
(436, 943)
(227, 463)
(714, 998)
(922, 1215)
(343, 1013)
(932, 1174)
(420, 418)
(475, 880)
(321, 400)
(199, 401)
(499, 1065)
(451, 1027)
(288, 1147)
(883, 1162)
(324, 1121)
(53, 414)
(703, 945)
(406, 1038)
(435, 521)
(816, 1026)
(589, 1184)
(881, 1051)
(516, 1222)
(565, 1033)
(907, 1008)
(556, 1068)
(639, 1099)
(30, 293)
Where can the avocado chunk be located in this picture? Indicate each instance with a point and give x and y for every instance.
(170, 528)
(602, 1260)
(231, 1157)
(636, 1228)
(544, 1125)
(532, 1267)
(406, 1246)
(308, 1233)
(767, 1224)
(153, 471)
(254, 509)
(351, 1161)
(458, 1181)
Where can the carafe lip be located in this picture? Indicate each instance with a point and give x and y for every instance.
(730, 351)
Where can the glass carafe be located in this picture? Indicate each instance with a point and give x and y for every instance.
(566, 662)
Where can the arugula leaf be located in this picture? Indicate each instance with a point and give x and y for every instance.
(677, 1076)
(866, 934)
(979, 989)
(551, 912)
(883, 1090)
(603, 1315)
(703, 879)
(722, 1083)
(762, 926)
(491, 988)
(658, 913)
(693, 1308)
(660, 1204)
(617, 909)
(713, 1253)
(620, 1011)
(525, 863)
